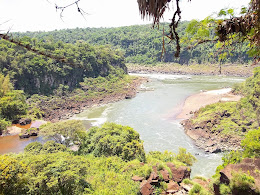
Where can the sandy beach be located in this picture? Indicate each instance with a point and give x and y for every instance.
(196, 101)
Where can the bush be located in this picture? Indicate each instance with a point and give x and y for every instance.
(48, 147)
(64, 132)
(241, 181)
(3, 125)
(33, 148)
(185, 157)
(224, 189)
(251, 144)
(113, 140)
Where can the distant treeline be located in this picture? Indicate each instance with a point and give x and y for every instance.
(142, 44)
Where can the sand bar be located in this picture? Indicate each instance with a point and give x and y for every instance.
(196, 101)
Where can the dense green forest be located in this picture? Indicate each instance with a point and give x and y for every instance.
(40, 74)
(143, 45)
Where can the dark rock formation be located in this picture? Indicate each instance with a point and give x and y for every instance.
(146, 188)
(247, 166)
(210, 141)
(24, 135)
(173, 183)
(180, 173)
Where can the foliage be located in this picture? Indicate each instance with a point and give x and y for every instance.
(46, 175)
(113, 140)
(224, 189)
(241, 181)
(251, 144)
(34, 148)
(48, 147)
(12, 102)
(64, 132)
(143, 45)
(231, 157)
(5, 85)
(185, 157)
(13, 105)
(166, 156)
(64, 173)
(4, 124)
(39, 74)
(197, 189)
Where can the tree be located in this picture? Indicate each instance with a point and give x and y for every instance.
(65, 132)
(113, 140)
(246, 26)
(12, 176)
(13, 105)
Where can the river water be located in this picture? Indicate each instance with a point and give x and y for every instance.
(152, 113)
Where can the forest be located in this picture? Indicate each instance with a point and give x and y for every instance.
(143, 44)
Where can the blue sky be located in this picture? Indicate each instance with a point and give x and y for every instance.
(35, 15)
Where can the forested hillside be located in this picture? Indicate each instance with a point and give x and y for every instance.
(41, 74)
(143, 44)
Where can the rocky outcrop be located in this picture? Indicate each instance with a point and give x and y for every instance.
(63, 108)
(22, 121)
(248, 166)
(212, 142)
(180, 173)
(174, 185)
(26, 133)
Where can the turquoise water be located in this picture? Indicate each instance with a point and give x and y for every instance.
(152, 113)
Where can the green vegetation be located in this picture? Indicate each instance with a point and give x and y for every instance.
(12, 103)
(143, 45)
(113, 140)
(64, 132)
(71, 63)
(234, 118)
(92, 90)
(99, 167)
(251, 144)
(241, 182)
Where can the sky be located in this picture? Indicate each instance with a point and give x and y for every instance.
(41, 15)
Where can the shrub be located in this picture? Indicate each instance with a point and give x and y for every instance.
(113, 140)
(242, 181)
(33, 148)
(185, 157)
(251, 144)
(224, 189)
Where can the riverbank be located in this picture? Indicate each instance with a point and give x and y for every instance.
(198, 69)
(206, 139)
(61, 108)
(197, 101)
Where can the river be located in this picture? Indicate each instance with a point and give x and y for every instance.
(152, 113)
